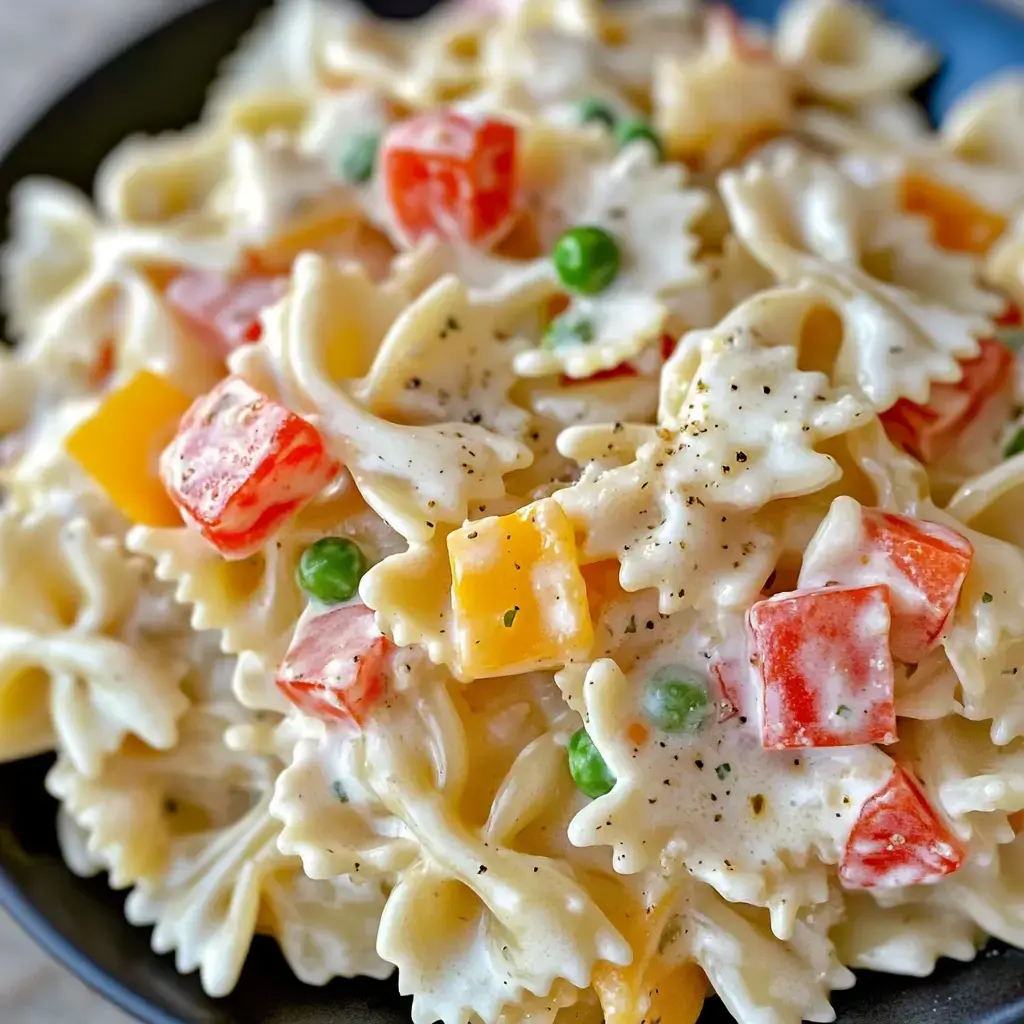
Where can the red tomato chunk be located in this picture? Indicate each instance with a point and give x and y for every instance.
(241, 464)
(335, 666)
(222, 312)
(450, 175)
(898, 840)
(927, 431)
(826, 669)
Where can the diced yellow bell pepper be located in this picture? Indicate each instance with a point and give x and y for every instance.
(649, 988)
(120, 445)
(602, 581)
(960, 224)
(518, 595)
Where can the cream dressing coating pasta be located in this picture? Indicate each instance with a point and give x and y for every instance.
(590, 575)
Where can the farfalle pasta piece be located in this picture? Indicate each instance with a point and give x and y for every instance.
(428, 63)
(978, 789)
(905, 939)
(165, 181)
(419, 780)
(144, 800)
(508, 899)
(37, 474)
(681, 508)
(638, 201)
(758, 976)
(95, 312)
(445, 359)
(983, 126)
(710, 107)
(805, 220)
(539, 70)
(844, 53)
(984, 640)
(225, 884)
(684, 790)
(1004, 262)
(254, 602)
(398, 469)
(76, 670)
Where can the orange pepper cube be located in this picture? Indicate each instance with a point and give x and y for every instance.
(959, 224)
(120, 445)
(519, 599)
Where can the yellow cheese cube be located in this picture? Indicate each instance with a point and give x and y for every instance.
(120, 445)
(519, 599)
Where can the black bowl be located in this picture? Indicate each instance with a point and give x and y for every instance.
(159, 84)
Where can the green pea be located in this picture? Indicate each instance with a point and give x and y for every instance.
(359, 156)
(673, 702)
(595, 110)
(568, 329)
(1016, 445)
(589, 771)
(330, 569)
(638, 130)
(587, 259)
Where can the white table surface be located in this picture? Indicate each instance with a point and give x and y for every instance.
(34, 62)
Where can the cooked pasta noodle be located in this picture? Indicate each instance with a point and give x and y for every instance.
(484, 504)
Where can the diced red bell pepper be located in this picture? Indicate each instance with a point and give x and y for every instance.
(725, 30)
(451, 175)
(926, 431)
(826, 668)
(899, 840)
(224, 312)
(241, 464)
(729, 674)
(1011, 316)
(926, 568)
(104, 365)
(335, 666)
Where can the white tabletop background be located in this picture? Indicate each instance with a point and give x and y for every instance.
(43, 45)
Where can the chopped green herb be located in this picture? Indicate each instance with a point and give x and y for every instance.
(1016, 445)
(723, 770)
(844, 709)
(510, 616)
(588, 768)
(339, 791)
(986, 598)
(674, 702)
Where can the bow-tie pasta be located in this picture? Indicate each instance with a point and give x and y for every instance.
(524, 503)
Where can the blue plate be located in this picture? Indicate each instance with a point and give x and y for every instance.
(159, 84)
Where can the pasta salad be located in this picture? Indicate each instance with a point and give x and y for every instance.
(529, 502)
